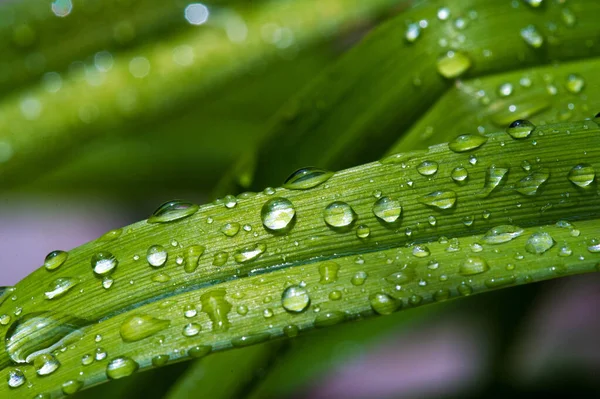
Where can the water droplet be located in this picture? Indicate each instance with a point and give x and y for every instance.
(45, 364)
(427, 168)
(459, 175)
(220, 258)
(173, 210)
(160, 360)
(473, 265)
(363, 231)
(498, 282)
(387, 209)
(87, 359)
(110, 235)
(100, 354)
(37, 333)
(60, 286)
(55, 259)
(453, 64)
(70, 387)
(339, 214)
(329, 272)
(495, 176)
(230, 201)
(306, 178)
(328, 319)
(156, 256)
(564, 250)
(520, 129)
(295, 299)
(441, 295)
(443, 13)
(191, 329)
(574, 83)
(104, 263)
(192, 257)
(199, 351)
(278, 214)
(291, 331)
(217, 308)
(467, 142)
(16, 378)
(401, 277)
(464, 289)
(250, 339)
(230, 229)
(384, 304)
(501, 234)
(359, 278)
(421, 251)
(5, 319)
(505, 89)
(534, 3)
(413, 31)
(137, 327)
(120, 367)
(538, 243)
(439, 199)
(532, 36)
(531, 183)
(582, 175)
(249, 254)
(593, 245)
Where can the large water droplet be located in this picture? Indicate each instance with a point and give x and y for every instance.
(502, 233)
(339, 214)
(401, 277)
(384, 304)
(439, 199)
(192, 257)
(467, 142)
(173, 210)
(329, 272)
(306, 178)
(538, 243)
(427, 168)
(387, 209)
(45, 364)
(453, 64)
(55, 259)
(104, 263)
(199, 351)
(40, 332)
(531, 183)
(532, 36)
(494, 177)
(16, 378)
(121, 367)
(582, 175)
(60, 286)
(217, 308)
(473, 265)
(278, 214)
(156, 256)
(137, 327)
(250, 253)
(520, 129)
(421, 251)
(295, 299)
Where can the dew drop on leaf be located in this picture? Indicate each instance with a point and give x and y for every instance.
(230, 229)
(538, 243)
(250, 253)
(520, 129)
(427, 168)
(156, 256)
(440, 199)
(55, 259)
(60, 287)
(532, 36)
(459, 175)
(387, 209)
(104, 263)
(277, 214)
(473, 265)
(495, 176)
(453, 64)
(384, 304)
(138, 327)
(339, 214)
(330, 318)
(16, 378)
(173, 210)
(467, 142)
(120, 367)
(582, 175)
(531, 183)
(45, 364)
(363, 231)
(501, 234)
(295, 299)
(574, 83)
(306, 178)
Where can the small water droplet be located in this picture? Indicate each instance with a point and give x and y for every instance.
(420, 251)
(329, 272)
(104, 263)
(278, 215)
(230, 229)
(467, 142)
(443, 13)
(120, 367)
(575, 83)
(160, 360)
(532, 36)
(172, 210)
(295, 299)
(306, 178)
(459, 175)
(250, 253)
(497, 282)
(538, 243)
(156, 256)
(16, 378)
(582, 175)
(220, 258)
(413, 31)
(45, 364)
(593, 245)
(339, 215)
(384, 304)
(531, 183)
(70, 387)
(464, 289)
(359, 278)
(191, 329)
(110, 235)
(501, 234)
(520, 129)
(427, 168)
(363, 231)
(473, 265)
(250, 339)
(138, 327)
(453, 64)
(505, 89)
(387, 209)
(55, 259)
(60, 287)
(230, 201)
(439, 199)
(199, 351)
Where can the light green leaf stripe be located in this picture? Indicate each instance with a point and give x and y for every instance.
(495, 228)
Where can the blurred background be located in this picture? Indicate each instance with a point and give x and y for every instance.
(111, 107)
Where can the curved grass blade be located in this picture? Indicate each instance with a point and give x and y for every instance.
(235, 274)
